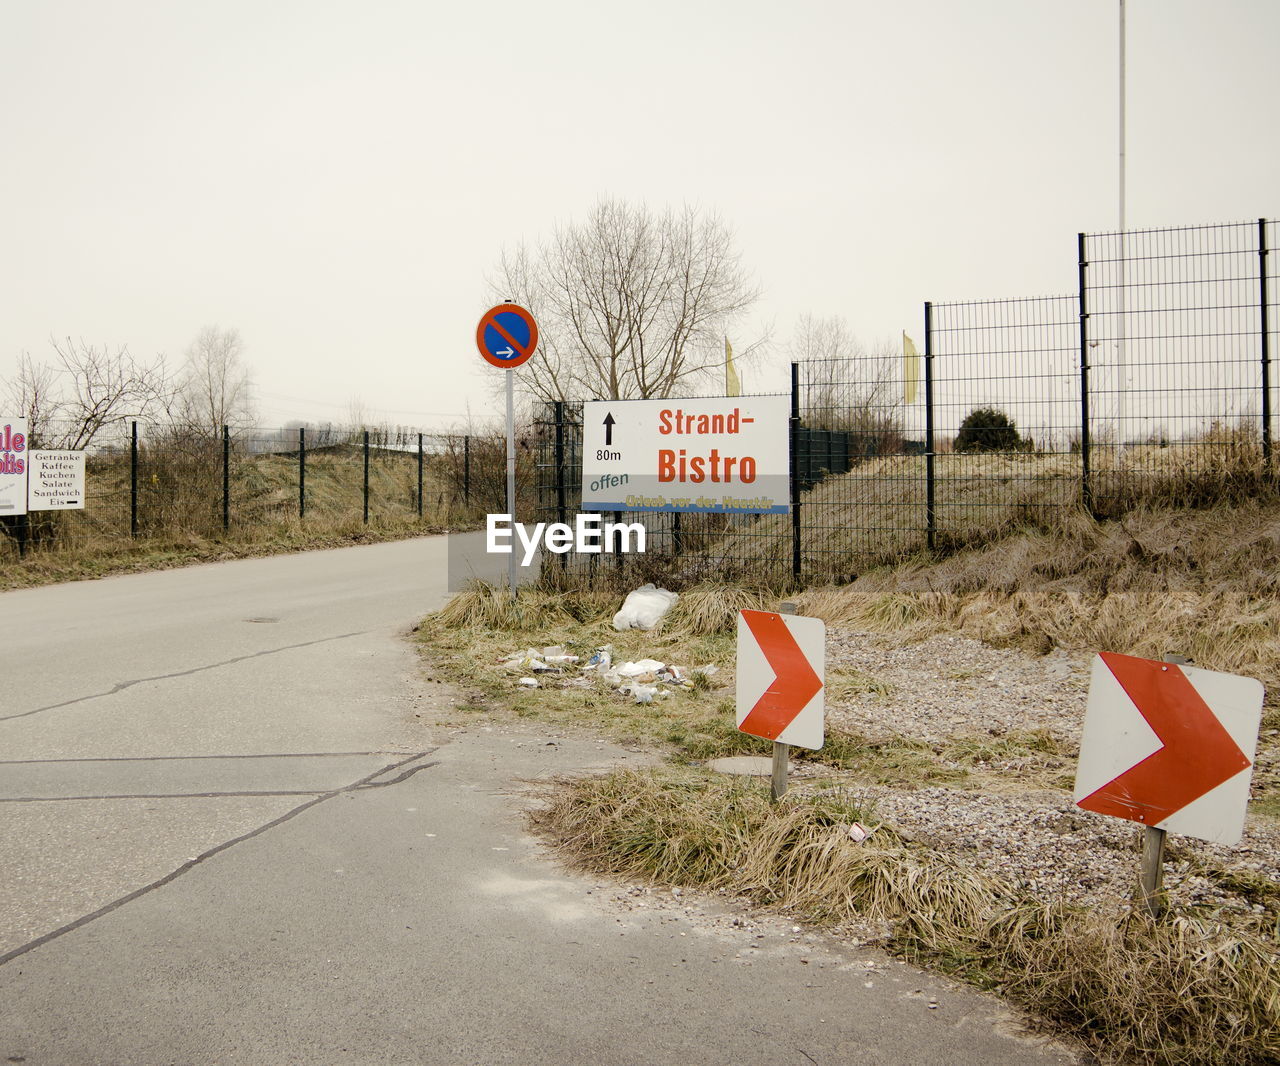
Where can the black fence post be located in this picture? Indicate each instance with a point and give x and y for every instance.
(930, 476)
(302, 472)
(366, 477)
(1266, 342)
(133, 480)
(23, 529)
(419, 477)
(558, 458)
(1086, 482)
(796, 545)
(466, 469)
(226, 479)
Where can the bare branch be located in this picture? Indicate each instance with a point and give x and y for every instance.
(629, 304)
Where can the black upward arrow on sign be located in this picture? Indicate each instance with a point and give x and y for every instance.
(608, 428)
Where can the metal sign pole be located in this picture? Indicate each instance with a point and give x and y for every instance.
(506, 337)
(511, 474)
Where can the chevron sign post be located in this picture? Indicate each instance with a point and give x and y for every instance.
(781, 664)
(1170, 746)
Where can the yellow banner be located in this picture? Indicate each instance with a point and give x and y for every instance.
(910, 369)
(732, 383)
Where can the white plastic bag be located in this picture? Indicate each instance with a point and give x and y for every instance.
(644, 608)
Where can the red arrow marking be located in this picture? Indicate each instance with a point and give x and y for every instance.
(794, 685)
(1198, 754)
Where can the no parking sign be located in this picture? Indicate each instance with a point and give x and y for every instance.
(506, 336)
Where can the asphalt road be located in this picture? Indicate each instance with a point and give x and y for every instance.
(230, 834)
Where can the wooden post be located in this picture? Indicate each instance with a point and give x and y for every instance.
(778, 787)
(1151, 872)
(1151, 876)
(781, 752)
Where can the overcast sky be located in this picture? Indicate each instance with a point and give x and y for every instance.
(337, 179)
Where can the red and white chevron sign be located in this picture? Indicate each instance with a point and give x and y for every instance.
(781, 665)
(1169, 746)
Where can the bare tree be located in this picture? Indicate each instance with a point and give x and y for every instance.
(85, 391)
(849, 387)
(629, 304)
(213, 386)
(33, 394)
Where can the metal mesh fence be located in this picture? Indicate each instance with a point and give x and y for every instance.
(1178, 358)
(156, 480)
(1152, 384)
(1006, 415)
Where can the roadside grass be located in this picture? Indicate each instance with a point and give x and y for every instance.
(468, 639)
(1183, 990)
(1196, 987)
(180, 519)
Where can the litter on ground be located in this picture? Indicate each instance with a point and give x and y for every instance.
(641, 666)
(643, 680)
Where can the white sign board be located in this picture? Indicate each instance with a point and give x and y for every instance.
(13, 465)
(724, 455)
(781, 673)
(55, 481)
(1169, 746)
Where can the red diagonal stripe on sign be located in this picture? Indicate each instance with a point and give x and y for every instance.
(1198, 754)
(795, 682)
(502, 332)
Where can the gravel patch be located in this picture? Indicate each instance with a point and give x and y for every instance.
(950, 686)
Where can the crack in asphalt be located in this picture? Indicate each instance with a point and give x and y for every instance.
(235, 794)
(121, 686)
(369, 781)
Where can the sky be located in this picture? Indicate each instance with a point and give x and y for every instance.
(337, 180)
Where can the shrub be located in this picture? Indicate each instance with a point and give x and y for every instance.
(988, 429)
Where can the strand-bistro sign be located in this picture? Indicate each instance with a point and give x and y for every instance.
(720, 455)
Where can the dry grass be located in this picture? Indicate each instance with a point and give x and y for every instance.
(481, 625)
(180, 512)
(467, 640)
(1182, 991)
(1202, 583)
(713, 606)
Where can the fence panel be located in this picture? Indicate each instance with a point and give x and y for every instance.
(1006, 417)
(1177, 362)
(161, 481)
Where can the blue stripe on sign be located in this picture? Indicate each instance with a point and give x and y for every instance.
(609, 505)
